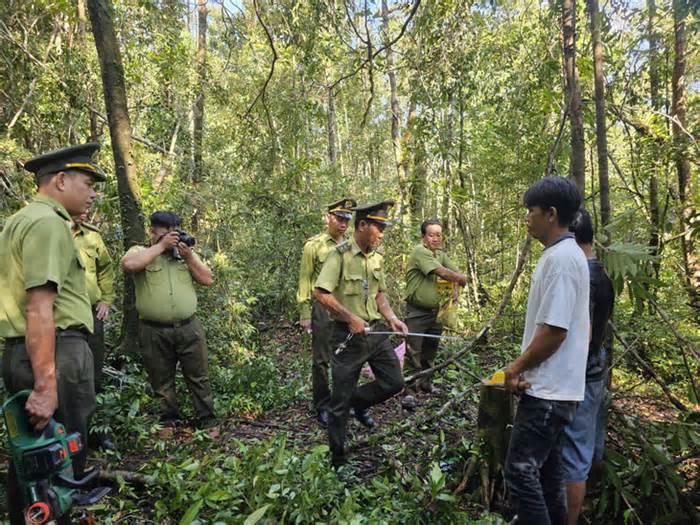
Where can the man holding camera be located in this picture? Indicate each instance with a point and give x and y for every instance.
(170, 333)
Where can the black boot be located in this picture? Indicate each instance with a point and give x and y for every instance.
(364, 417)
(322, 417)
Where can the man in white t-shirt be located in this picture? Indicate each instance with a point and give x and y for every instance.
(551, 370)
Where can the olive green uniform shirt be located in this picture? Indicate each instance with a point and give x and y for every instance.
(99, 271)
(354, 279)
(36, 248)
(164, 289)
(316, 249)
(421, 279)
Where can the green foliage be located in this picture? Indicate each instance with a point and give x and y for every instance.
(481, 83)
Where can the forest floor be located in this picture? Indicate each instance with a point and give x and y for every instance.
(391, 448)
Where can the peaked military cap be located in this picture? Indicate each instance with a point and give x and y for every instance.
(71, 158)
(378, 212)
(343, 208)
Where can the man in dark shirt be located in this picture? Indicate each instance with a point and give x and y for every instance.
(584, 436)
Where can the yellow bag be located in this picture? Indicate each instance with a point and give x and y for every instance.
(447, 315)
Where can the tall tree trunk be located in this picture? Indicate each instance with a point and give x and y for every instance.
(600, 126)
(401, 168)
(419, 180)
(654, 83)
(198, 113)
(691, 261)
(577, 165)
(332, 131)
(120, 133)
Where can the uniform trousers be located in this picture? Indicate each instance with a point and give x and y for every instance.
(421, 351)
(321, 356)
(76, 399)
(163, 347)
(345, 369)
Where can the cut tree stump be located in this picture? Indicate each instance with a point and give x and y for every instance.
(495, 419)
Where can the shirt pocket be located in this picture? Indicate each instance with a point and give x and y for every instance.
(155, 274)
(89, 256)
(182, 274)
(352, 283)
(323, 255)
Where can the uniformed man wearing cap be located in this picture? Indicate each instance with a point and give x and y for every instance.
(99, 274)
(352, 287)
(169, 333)
(312, 316)
(45, 315)
(430, 277)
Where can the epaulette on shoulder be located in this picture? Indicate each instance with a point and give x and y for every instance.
(91, 227)
(314, 237)
(343, 247)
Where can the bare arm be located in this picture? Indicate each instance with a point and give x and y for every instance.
(385, 309)
(545, 343)
(41, 347)
(137, 261)
(449, 275)
(329, 302)
(200, 272)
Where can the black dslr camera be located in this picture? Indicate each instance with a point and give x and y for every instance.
(185, 238)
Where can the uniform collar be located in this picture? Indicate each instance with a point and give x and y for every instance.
(430, 249)
(78, 229)
(354, 247)
(325, 236)
(58, 207)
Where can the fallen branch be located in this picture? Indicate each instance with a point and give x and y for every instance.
(635, 431)
(676, 333)
(413, 423)
(673, 399)
(128, 476)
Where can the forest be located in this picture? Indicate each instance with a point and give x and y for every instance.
(246, 117)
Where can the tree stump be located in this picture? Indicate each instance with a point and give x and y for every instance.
(494, 421)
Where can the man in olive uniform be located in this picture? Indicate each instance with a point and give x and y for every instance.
(45, 315)
(352, 287)
(99, 275)
(170, 333)
(312, 316)
(428, 267)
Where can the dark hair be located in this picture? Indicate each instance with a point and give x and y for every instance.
(166, 219)
(555, 192)
(429, 222)
(582, 227)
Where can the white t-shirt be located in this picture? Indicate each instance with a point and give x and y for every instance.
(559, 296)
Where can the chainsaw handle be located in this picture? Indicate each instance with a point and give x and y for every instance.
(89, 477)
(50, 429)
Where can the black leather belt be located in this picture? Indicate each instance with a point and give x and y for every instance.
(60, 333)
(176, 324)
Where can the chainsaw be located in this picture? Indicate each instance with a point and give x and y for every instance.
(43, 465)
